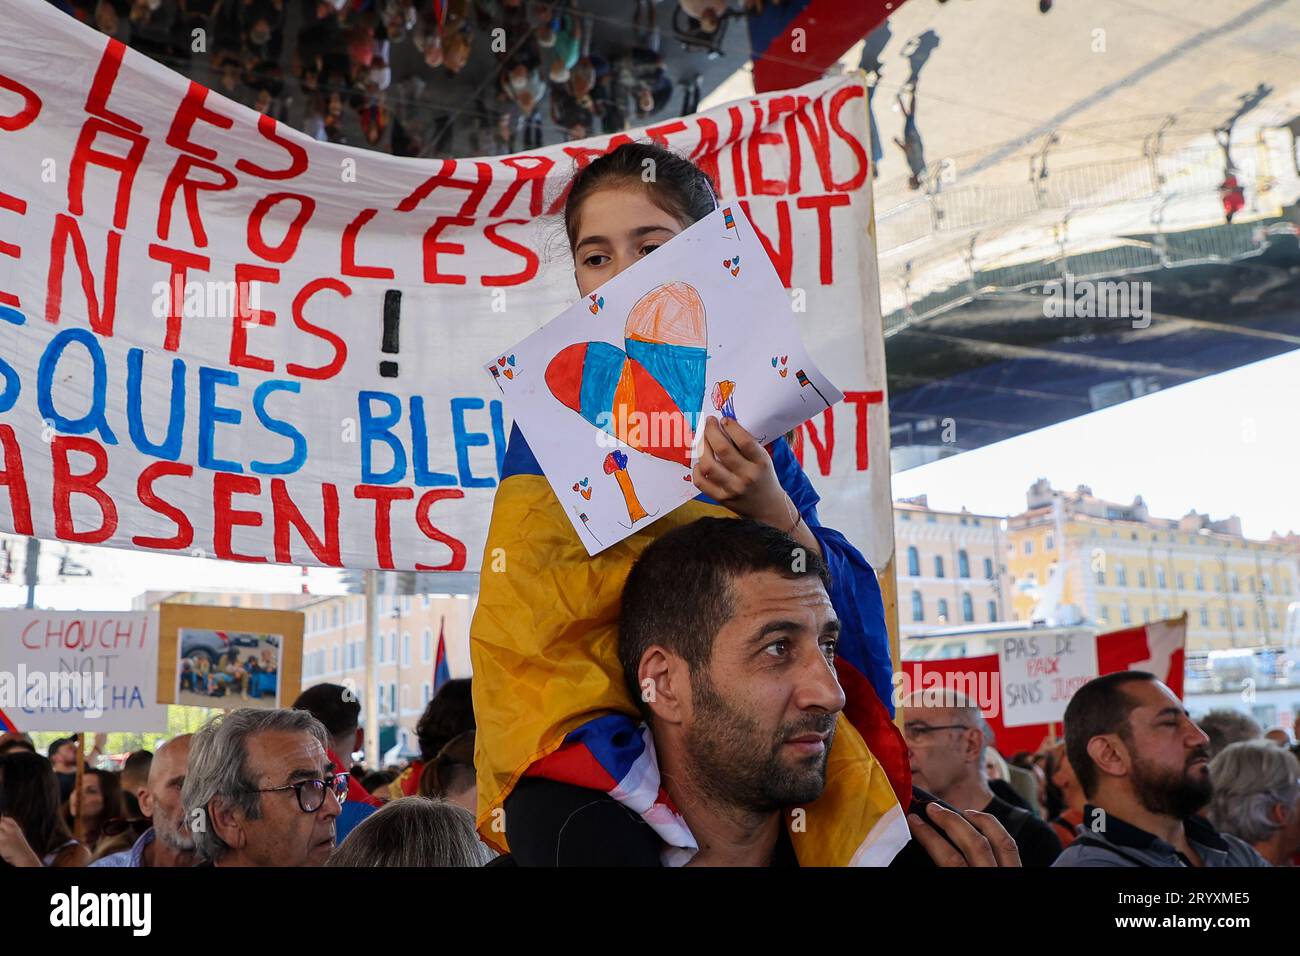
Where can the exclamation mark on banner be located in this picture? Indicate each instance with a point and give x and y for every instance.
(392, 317)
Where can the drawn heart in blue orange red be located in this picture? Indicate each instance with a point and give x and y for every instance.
(732, 265)
(647, 394)
(597, 303)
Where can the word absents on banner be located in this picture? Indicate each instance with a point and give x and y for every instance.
(80, 670)
(220, 337)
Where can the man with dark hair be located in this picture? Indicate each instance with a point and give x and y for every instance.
(727, 640)
(1144, 768)
(339, 711)
(135, 777)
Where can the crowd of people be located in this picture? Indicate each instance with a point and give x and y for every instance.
(1134, 782)
(429, 78)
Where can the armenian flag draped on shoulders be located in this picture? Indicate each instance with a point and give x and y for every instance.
(549, 695)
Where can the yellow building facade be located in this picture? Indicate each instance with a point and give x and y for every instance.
(1070, 554)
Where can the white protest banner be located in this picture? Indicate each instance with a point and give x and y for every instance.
(1041, 672)
(80, 670)
(220, 337)
(702, 327)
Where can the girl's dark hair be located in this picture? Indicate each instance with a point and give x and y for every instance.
(29, 792)
(449, 714)
(452, 771)
(679, 188)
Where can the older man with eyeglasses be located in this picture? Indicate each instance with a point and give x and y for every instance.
(946, 739)
(261, 790)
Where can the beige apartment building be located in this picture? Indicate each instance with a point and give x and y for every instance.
(1116, 565)
(949, 567)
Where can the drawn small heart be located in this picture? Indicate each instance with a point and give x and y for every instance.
(783, 359)
(726, 263)
(501, 360)
(575, 486)
(511, 360)
(735, 260)
(783, 372)
(686, 477)
(584, 482)
(510, 374)
(736, 271)
(594, 308)
(773, 361)
(586, 493)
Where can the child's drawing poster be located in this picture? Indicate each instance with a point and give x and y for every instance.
(611, 393)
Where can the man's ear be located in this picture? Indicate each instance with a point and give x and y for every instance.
(144, 797)
(358, 743)
(663, 680)
(1109, 754)
(227, 823)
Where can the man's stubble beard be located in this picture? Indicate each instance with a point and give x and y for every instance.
(731, 763)
(1162, 792)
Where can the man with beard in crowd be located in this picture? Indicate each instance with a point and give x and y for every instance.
(1144, 767)
(168, 842)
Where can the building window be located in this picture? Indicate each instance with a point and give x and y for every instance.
(1121, 576)
(1123, 614)
(1200, 580)
(993, 611)
(1164, 611)
(392, 696)
(1104, 612)
(976, 522)
(1218, 584)
(967, 609)
(1272, 617)
(904, 516)
(1049, 543)
(918, 608)
(1236, 585)
(1101, 576)
(988, 569)
(1179, 579)
(1029, 546)
(1241, 618)
(426, 691)
(1205, 616)
(1223, 618)
(426, 602)
(931, 519)
(1142, 578)
(938, 565)
(943, 611)
(1160, 578)
(913, 562)
(1146, 615)
(334, 616)
(334, 658)
(406, 650)
(963, 564)
(428, 646)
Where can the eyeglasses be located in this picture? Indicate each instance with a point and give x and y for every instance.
(918, 732)
(311, 793)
